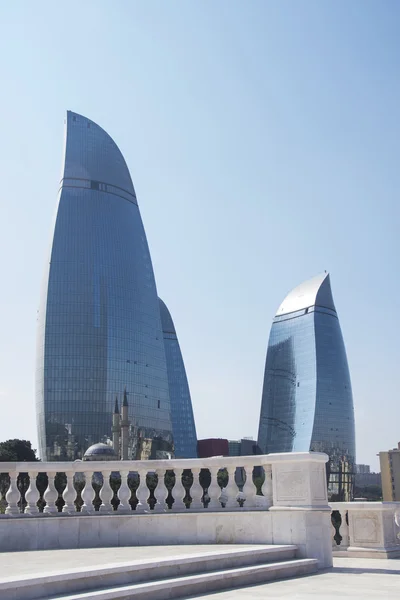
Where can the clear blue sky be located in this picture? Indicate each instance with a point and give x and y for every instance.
(263, 141)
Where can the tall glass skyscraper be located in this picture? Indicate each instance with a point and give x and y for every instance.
(183, 426)
(99, 326)
(307, 403)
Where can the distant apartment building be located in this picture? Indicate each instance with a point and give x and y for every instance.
(390, 473)
(363, 469)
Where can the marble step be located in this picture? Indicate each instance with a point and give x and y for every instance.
(202, 583)
(97, 579)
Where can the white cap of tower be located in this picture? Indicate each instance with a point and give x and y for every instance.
(313, 292)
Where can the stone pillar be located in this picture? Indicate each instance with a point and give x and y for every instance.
(300, 511)
(372, 530)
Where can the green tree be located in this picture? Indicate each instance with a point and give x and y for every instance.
(17, 451)
(372, 493)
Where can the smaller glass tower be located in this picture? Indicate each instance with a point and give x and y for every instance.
(183, 427)
(307, 402)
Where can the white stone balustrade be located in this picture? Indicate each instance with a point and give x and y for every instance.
(365, 529)
(177, 501)
(293, 484)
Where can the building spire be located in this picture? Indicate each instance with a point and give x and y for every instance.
(125, 401)
(116, 409)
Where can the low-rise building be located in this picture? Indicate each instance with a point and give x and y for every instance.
(212, 447)
(390, 473)
(244, 447)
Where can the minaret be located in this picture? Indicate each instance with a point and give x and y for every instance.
(116, 428)
(124, 427)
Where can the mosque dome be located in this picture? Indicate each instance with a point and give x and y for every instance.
(100, 452)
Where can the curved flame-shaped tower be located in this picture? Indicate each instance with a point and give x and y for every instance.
(183, 426)
(307, 402)
(99, 327)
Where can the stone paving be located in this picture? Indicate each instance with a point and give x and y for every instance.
(377, 579)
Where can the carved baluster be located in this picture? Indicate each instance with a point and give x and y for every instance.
(266, 487)
(69, 494)
(142, 492)
(214, 491)
(333, 533)
(50, 496)
(106, 493)
(231, 490)
(336, 520)
(3, 503)
(161, 492)
(124, 493)
(178, 491)
(344, 530)
(13, 496)
(249, 489)
(32, 495)
(196, 491)
(397, 524)
(88, 494)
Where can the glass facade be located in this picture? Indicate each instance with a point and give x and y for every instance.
(307, 401)
(183, 426)
(99, 326)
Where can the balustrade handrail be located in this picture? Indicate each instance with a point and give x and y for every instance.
(364, 505)
(79, 466)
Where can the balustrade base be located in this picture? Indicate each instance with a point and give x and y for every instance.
(302, 528)
(12, 512)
